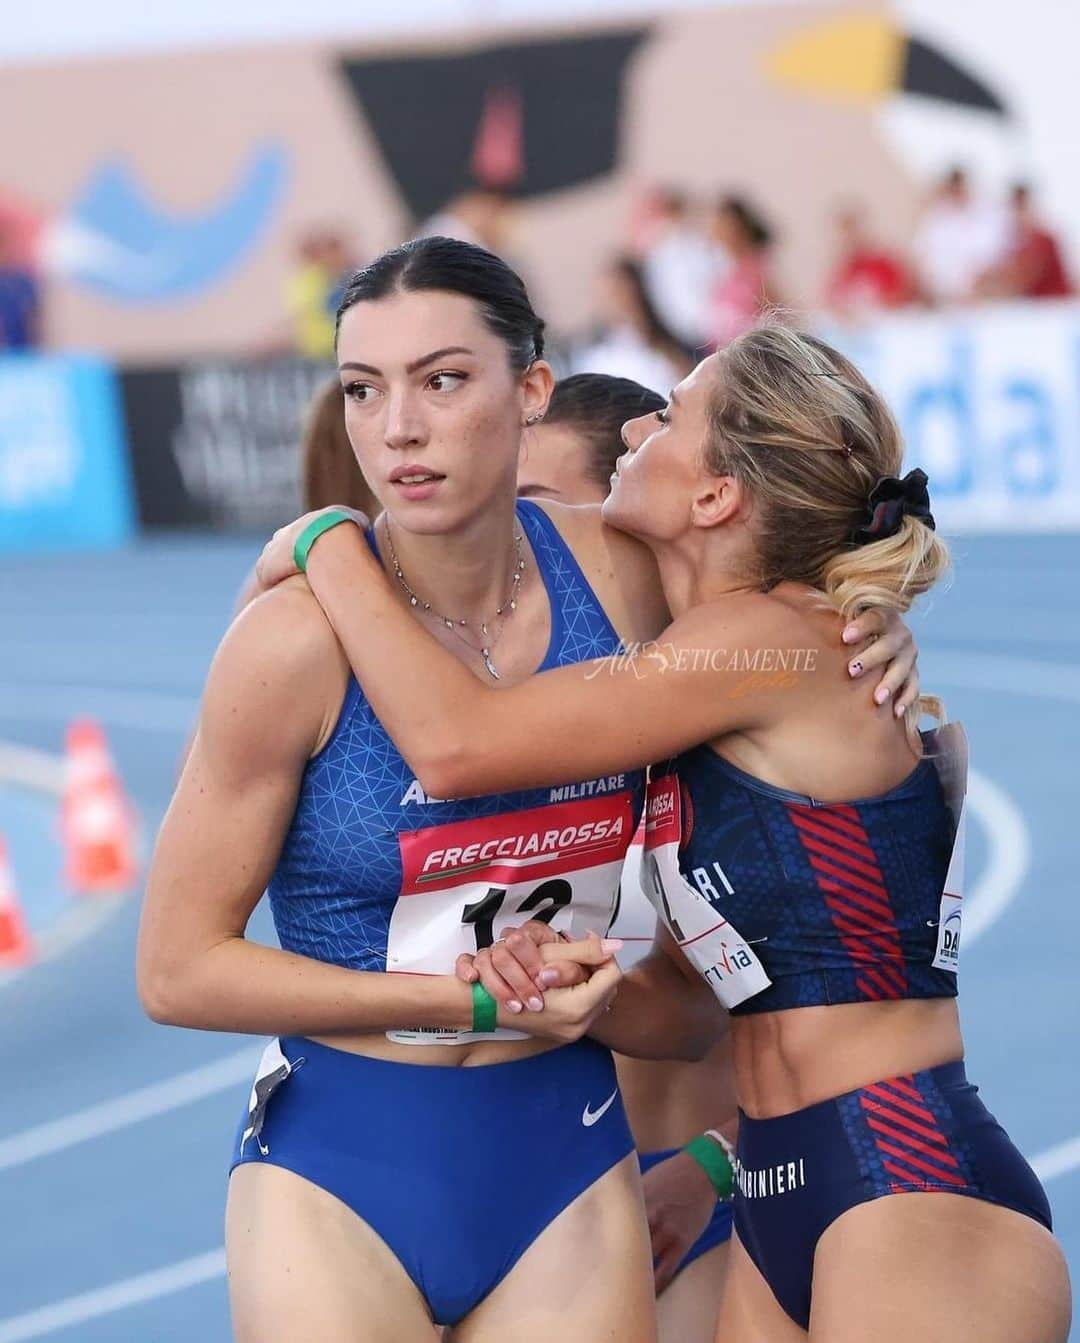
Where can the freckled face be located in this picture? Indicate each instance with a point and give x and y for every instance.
(657, 477)
(433, 408)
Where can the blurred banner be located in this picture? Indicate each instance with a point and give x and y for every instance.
(64, 479)
(988, 402)
(989, 405)
(191, 181)
(217, 444)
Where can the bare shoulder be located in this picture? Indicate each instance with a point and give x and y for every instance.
(727, 623)
(773, 619)
(279, 674)
(285, 630)
(620, 569)
(750, 632)
(806, 618)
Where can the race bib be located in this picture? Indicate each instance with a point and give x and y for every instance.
(948, 748)
(634, 920)
(273, 1069)
(466, 882)
(711, 944)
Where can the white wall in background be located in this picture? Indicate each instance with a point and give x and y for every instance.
(71, 27)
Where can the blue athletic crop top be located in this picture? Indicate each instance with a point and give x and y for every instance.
(376, 875)
(839, 901)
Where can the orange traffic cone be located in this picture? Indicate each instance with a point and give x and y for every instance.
(97, 820)
(15, 945)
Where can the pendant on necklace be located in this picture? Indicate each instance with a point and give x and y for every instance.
(485, 653)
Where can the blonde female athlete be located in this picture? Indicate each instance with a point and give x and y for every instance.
(569, 458)
(876, 1195)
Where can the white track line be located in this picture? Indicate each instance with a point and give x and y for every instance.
(1008, 675)
(27, 768)
(131, 1108)
(1007, 861)
(1057, 1160)
(117, 1295)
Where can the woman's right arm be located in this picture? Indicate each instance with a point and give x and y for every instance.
(271, 698)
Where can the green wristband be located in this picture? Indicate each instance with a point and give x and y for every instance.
(312, 532)
(714, 1161)
(484, 1010)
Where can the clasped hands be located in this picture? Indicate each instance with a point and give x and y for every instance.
(545, 984)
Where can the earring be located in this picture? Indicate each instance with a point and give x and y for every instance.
(534, 419)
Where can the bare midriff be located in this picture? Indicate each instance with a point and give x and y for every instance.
(785, 1061)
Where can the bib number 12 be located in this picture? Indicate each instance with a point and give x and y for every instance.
(543, 903)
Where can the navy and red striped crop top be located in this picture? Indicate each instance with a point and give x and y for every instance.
(839, 901)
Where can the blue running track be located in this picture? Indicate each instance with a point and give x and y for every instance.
(114, 1133)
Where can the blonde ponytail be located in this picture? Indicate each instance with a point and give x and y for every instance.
(812, 440)
(888, 574)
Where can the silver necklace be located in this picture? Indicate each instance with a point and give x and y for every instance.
(502, 612)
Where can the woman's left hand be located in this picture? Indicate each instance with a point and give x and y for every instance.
(893, 647)
(679, 1203)
(276, 561)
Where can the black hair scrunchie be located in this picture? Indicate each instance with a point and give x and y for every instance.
(891, 500)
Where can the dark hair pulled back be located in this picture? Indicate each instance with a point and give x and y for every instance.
(455, 267)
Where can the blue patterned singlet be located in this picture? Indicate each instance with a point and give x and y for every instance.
(375, 875)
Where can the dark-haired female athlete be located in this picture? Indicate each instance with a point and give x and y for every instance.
(377, 1171)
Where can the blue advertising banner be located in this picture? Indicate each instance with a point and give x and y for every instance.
(988, 401)
(64, 476)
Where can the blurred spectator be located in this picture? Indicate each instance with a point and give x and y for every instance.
(20, 296)
(681, 266)
(866, 277)
(633, 341)
(480, 215)
(313, 292)
(746, 290)
(959, 238)
(1033, 266)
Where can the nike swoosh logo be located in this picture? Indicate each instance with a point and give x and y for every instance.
(589, 1117)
